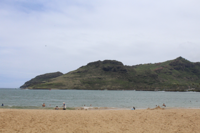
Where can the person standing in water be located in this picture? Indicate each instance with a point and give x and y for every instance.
(2, 104)
(164, 105)
(64, 106)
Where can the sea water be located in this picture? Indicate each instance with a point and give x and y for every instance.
(33, 99)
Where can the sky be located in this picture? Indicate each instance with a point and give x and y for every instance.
(43, 36)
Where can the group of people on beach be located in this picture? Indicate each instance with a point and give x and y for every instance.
(64, 106)
(156, 106)
(57, 108)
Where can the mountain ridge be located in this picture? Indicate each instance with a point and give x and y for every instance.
(173, 75)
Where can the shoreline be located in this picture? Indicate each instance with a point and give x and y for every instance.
(107, 90)
(48, 89)
(87, 108)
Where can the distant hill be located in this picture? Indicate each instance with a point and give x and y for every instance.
(173, 75)
(41, 79)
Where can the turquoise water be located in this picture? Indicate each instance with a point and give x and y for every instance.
(33, 99)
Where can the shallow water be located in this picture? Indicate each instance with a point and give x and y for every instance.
(33, 99)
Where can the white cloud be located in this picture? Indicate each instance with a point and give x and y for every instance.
(44, 36)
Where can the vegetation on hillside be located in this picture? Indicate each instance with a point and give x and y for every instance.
(41, 79)
(174, 75)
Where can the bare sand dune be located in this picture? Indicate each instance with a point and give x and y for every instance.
(100, 121)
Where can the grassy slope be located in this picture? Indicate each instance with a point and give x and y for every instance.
(173, 75)
(41, 79)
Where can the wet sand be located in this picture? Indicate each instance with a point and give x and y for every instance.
(100, 121)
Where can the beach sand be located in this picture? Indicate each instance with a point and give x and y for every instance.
(100, 121)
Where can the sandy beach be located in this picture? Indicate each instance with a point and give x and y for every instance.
(100, 121)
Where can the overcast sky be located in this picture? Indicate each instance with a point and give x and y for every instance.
(42, 36)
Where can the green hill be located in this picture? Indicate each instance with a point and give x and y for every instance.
(174, 75)
(41, 79)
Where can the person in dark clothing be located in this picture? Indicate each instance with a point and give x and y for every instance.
(133, 108)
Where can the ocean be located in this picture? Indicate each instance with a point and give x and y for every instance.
(33, 99)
